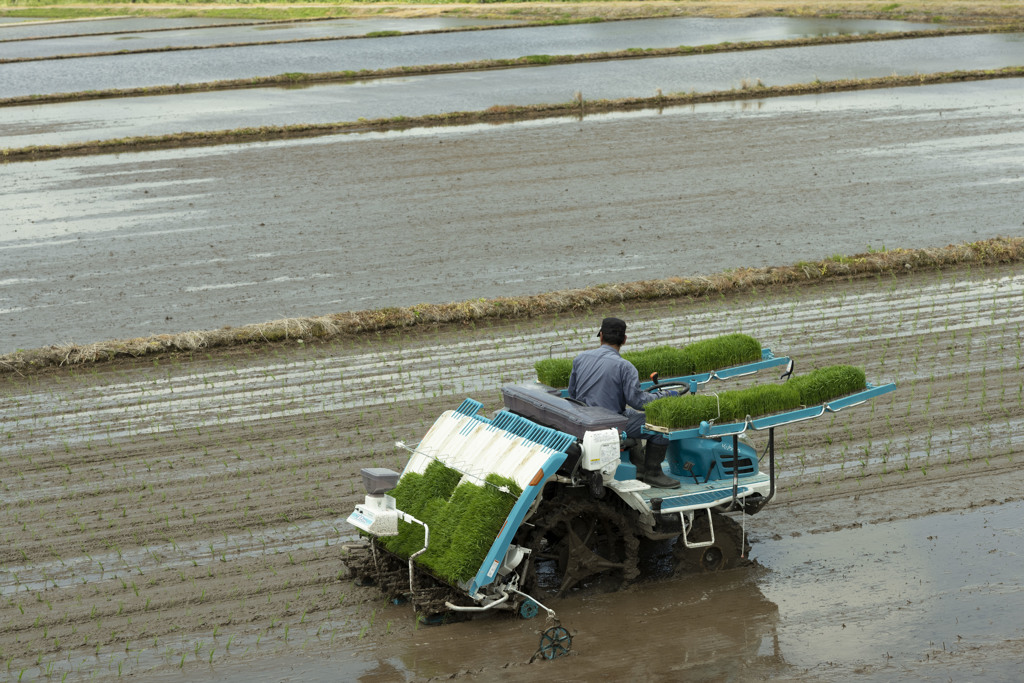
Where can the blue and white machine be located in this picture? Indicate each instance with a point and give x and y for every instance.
(582, 512)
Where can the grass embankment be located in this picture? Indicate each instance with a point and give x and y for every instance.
(916, 10)
(876, 263)
(56, 12)
(497, 113)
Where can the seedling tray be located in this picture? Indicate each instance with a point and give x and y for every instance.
(710, 430)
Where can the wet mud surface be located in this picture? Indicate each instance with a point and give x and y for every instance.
(185, 517)
(139, 244)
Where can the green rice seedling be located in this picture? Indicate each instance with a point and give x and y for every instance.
(766, 399)
(668, 361)
(488, 508)
(416, 493)
(554, 372)
(825, 384)
(463, 524)
(439, 481)
(444, 518)
(819, 386)
(683, 411)
(721, 352)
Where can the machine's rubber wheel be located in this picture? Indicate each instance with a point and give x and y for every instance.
(729, 550)
(580, 544)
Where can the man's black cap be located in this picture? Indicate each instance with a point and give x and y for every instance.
(613, 327)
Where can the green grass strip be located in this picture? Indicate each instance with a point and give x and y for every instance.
(814, 388)
(668, 361)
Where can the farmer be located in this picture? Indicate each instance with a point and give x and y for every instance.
(601, 377)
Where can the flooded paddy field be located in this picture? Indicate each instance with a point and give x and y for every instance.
(176, 240)
(140, 34)
(29, 28)
(184, 517)
(197, 66)
(478, 90)
(570, 39)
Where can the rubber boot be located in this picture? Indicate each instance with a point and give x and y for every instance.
(636, 456)
(652, 474)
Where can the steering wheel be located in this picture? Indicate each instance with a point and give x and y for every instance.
(684, 387)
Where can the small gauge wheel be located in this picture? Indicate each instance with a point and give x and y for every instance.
(555, 642)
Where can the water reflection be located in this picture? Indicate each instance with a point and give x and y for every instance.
(33, 26)
(710, 626)
(423, 95)
(245, 62)
(879, 600)
(84, 39)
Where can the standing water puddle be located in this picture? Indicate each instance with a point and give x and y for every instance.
(903, 601)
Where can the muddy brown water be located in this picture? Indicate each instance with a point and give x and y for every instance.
(914, 600)
(138, 244)
(185, 518)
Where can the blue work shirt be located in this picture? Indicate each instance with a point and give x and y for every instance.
(601, 377)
